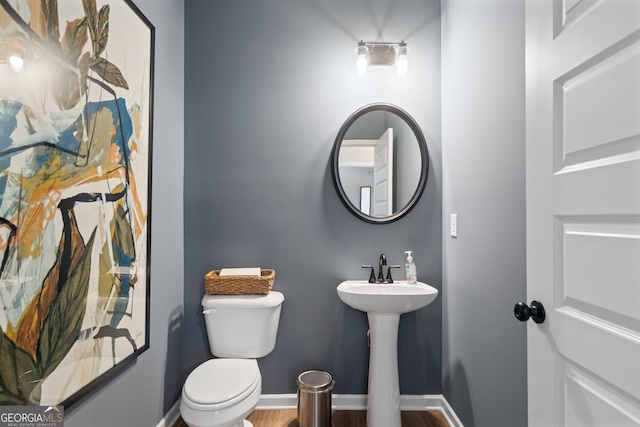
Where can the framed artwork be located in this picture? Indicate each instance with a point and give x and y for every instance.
(76, 100)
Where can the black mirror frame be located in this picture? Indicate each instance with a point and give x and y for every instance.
(424, 156)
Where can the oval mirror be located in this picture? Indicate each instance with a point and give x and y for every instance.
(380, 163)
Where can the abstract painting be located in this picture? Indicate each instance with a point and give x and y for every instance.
(76, 85)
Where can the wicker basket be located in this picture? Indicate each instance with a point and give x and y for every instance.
(214, 284)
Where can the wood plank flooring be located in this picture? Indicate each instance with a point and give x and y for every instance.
(288, 418)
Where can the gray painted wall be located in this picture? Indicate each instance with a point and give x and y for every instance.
(269, 85)
(142, 394)
(483, 111)
(258, 191)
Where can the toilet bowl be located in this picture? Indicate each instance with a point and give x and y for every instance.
(222, 391)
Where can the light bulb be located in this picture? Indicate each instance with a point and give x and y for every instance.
(16, 63)
(362, 58)
(402, 59)
(361, 64)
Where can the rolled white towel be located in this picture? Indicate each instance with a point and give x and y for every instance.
(251, 271)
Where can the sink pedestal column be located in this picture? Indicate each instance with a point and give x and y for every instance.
(383, 403)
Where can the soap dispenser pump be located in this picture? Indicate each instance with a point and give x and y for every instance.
(410, 268)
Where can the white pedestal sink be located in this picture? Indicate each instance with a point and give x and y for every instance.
(384, 303)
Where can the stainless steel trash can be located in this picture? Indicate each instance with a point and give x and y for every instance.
(314, 399)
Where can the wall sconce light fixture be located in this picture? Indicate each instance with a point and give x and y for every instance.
(373, 53)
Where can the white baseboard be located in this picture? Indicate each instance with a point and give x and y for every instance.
(277, 401)
(450, 414)
(425, 402)
(171, 417)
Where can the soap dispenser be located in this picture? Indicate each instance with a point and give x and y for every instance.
(410, 268)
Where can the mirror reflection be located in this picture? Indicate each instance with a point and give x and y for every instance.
(380, 163)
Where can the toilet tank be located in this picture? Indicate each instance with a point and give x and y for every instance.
(242, 326)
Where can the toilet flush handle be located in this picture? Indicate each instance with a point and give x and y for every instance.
(209, 311)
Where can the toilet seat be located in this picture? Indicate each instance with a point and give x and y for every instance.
(220, 383)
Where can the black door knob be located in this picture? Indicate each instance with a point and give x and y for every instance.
(523, 312)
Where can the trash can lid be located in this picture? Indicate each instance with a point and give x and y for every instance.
(315, 381)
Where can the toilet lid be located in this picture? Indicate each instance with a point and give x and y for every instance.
(220, 380)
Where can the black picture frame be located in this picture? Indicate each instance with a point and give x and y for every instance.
(76, 156)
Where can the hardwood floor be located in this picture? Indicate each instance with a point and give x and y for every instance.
(288, 418)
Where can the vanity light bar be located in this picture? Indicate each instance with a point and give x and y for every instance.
(374, 53)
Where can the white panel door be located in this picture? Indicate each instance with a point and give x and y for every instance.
(583, 211)
(383, 175)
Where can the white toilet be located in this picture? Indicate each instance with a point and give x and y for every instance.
(222, 392)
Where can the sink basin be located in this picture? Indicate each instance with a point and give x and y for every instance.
(384, 303)
(397, 297)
